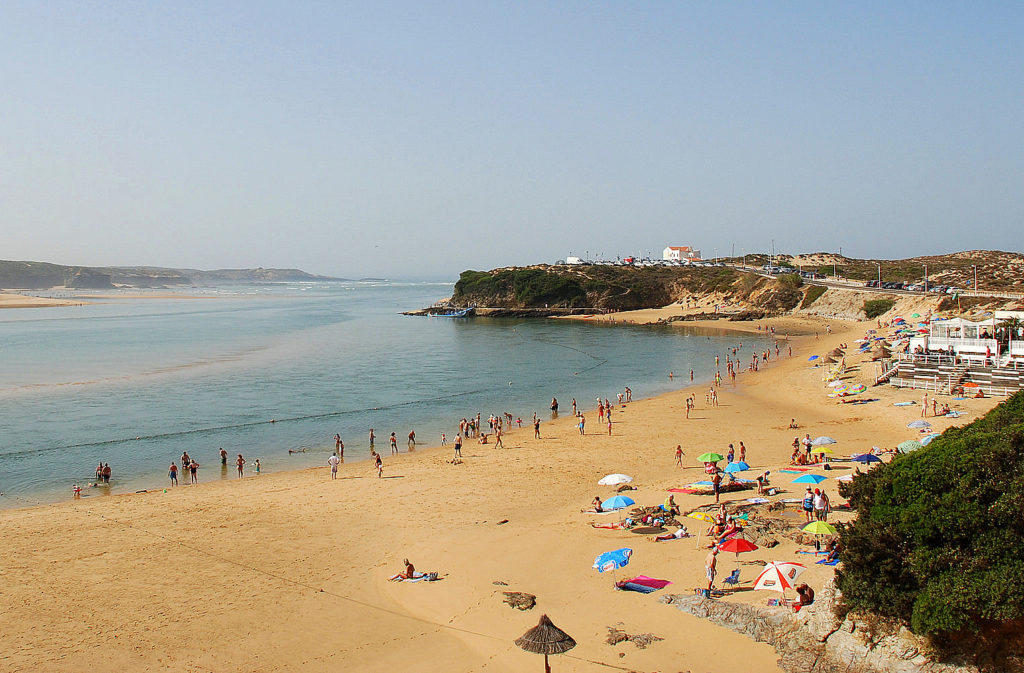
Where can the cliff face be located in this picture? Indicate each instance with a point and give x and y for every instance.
(620, 288)
(816, 640)
(41, 275)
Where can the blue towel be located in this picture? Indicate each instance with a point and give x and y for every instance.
(827, 562)
(632, 586)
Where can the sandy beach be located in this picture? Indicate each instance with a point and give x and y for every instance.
(12, 300)
(289, 571)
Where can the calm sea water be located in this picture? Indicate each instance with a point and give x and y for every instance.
(134, 382)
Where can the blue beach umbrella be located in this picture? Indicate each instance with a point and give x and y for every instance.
(809, 479)
(616, 502)
(927, 439)
(738, 466)
(612, 560)
(867, 458)
(813, 357)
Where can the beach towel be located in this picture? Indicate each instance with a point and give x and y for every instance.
(810, 551)
(903, 404)
(609, 526)
(643, 584)
(794, 470)
(417, 577)
(827, 562)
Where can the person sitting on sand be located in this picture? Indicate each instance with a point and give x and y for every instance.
(806, 596)
(678, 535)
(597, 504)
(792, 424)
(730, 530)
(410, 571)
(671, 507)
(832, 547)
(762, 481)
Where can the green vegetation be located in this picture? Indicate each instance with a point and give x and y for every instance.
(938, 542)
(792, 280)
(813, 293)
(527, 287)
(876, 307)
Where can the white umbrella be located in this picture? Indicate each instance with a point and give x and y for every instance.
(778, 576)
(823, 440)
(615, 479)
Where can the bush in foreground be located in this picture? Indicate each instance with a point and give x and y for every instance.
(938, 542)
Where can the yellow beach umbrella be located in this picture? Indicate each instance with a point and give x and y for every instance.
(701, 516)
(822, 449)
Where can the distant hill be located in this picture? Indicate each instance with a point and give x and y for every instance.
(43, 275)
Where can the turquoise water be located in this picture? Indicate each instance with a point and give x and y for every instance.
(134, 382)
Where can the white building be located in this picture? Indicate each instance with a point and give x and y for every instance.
(680, 253)
(573, 260)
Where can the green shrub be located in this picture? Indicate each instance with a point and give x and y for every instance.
(876, 307)
(938, 542)
(813, 293)
(791, 280)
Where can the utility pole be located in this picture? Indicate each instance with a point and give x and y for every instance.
(771, 260)
(925, 277)
(879, 275)
(975, 267)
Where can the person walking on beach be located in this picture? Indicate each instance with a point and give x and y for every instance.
(172, 474)
(679, 455)
(378, 462)
(536, 427)
(583, 424)
(193, 471)
(240, 463)
(497, 438)
(609, 426)
(333, 462)
(393, 439)
(743, 453)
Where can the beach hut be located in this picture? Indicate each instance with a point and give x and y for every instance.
(546, 638)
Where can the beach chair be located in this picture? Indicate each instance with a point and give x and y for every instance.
(732, 579)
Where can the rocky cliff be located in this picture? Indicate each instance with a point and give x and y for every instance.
(818, 640)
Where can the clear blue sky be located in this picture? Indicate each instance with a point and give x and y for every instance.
(412, 139)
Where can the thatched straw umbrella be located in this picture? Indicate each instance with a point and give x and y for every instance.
(830, 360)
(546, 638)
(837, 352)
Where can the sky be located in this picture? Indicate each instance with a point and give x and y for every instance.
(420, 139)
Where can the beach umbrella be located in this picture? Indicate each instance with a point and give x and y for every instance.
(821, 441)
(927, 439)
(822, 449)
(909, 445)
(809, 479)
(778, 576)
(615, 479)
(546, 638)
(813, 357)
(617, 502)
(867, 458)
(612, 560)
(836, 352)
(709, 457)
(738, 466)
(919, 424)
(701, 516)
(819, 528)
(829, 360)
(915, 315)
(738, 546)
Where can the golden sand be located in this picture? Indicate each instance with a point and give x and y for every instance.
(288, 571)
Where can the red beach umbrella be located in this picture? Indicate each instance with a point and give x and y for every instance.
(738, 546)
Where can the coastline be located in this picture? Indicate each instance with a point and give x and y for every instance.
(257, 552)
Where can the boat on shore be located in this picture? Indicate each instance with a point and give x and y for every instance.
(451, 312)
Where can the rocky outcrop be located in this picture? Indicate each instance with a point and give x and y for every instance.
(815, 640)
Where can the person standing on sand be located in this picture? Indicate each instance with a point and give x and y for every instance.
(679, 455)
(716, 484)
(743, 453)
(711, 568)
(193, 471)
(924, 406)
(333, 462)
(172, 474)
(444, 440)
(583, 424)
(240, 462)
(393, 440)
(458, 446)
(497, 438)
(609, 426)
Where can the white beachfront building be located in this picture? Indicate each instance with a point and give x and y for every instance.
(973, 339)
(680, 253)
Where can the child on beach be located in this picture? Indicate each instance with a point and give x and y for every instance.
(444, 440)
(77, 491)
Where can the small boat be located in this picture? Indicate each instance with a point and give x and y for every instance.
(452, 313)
